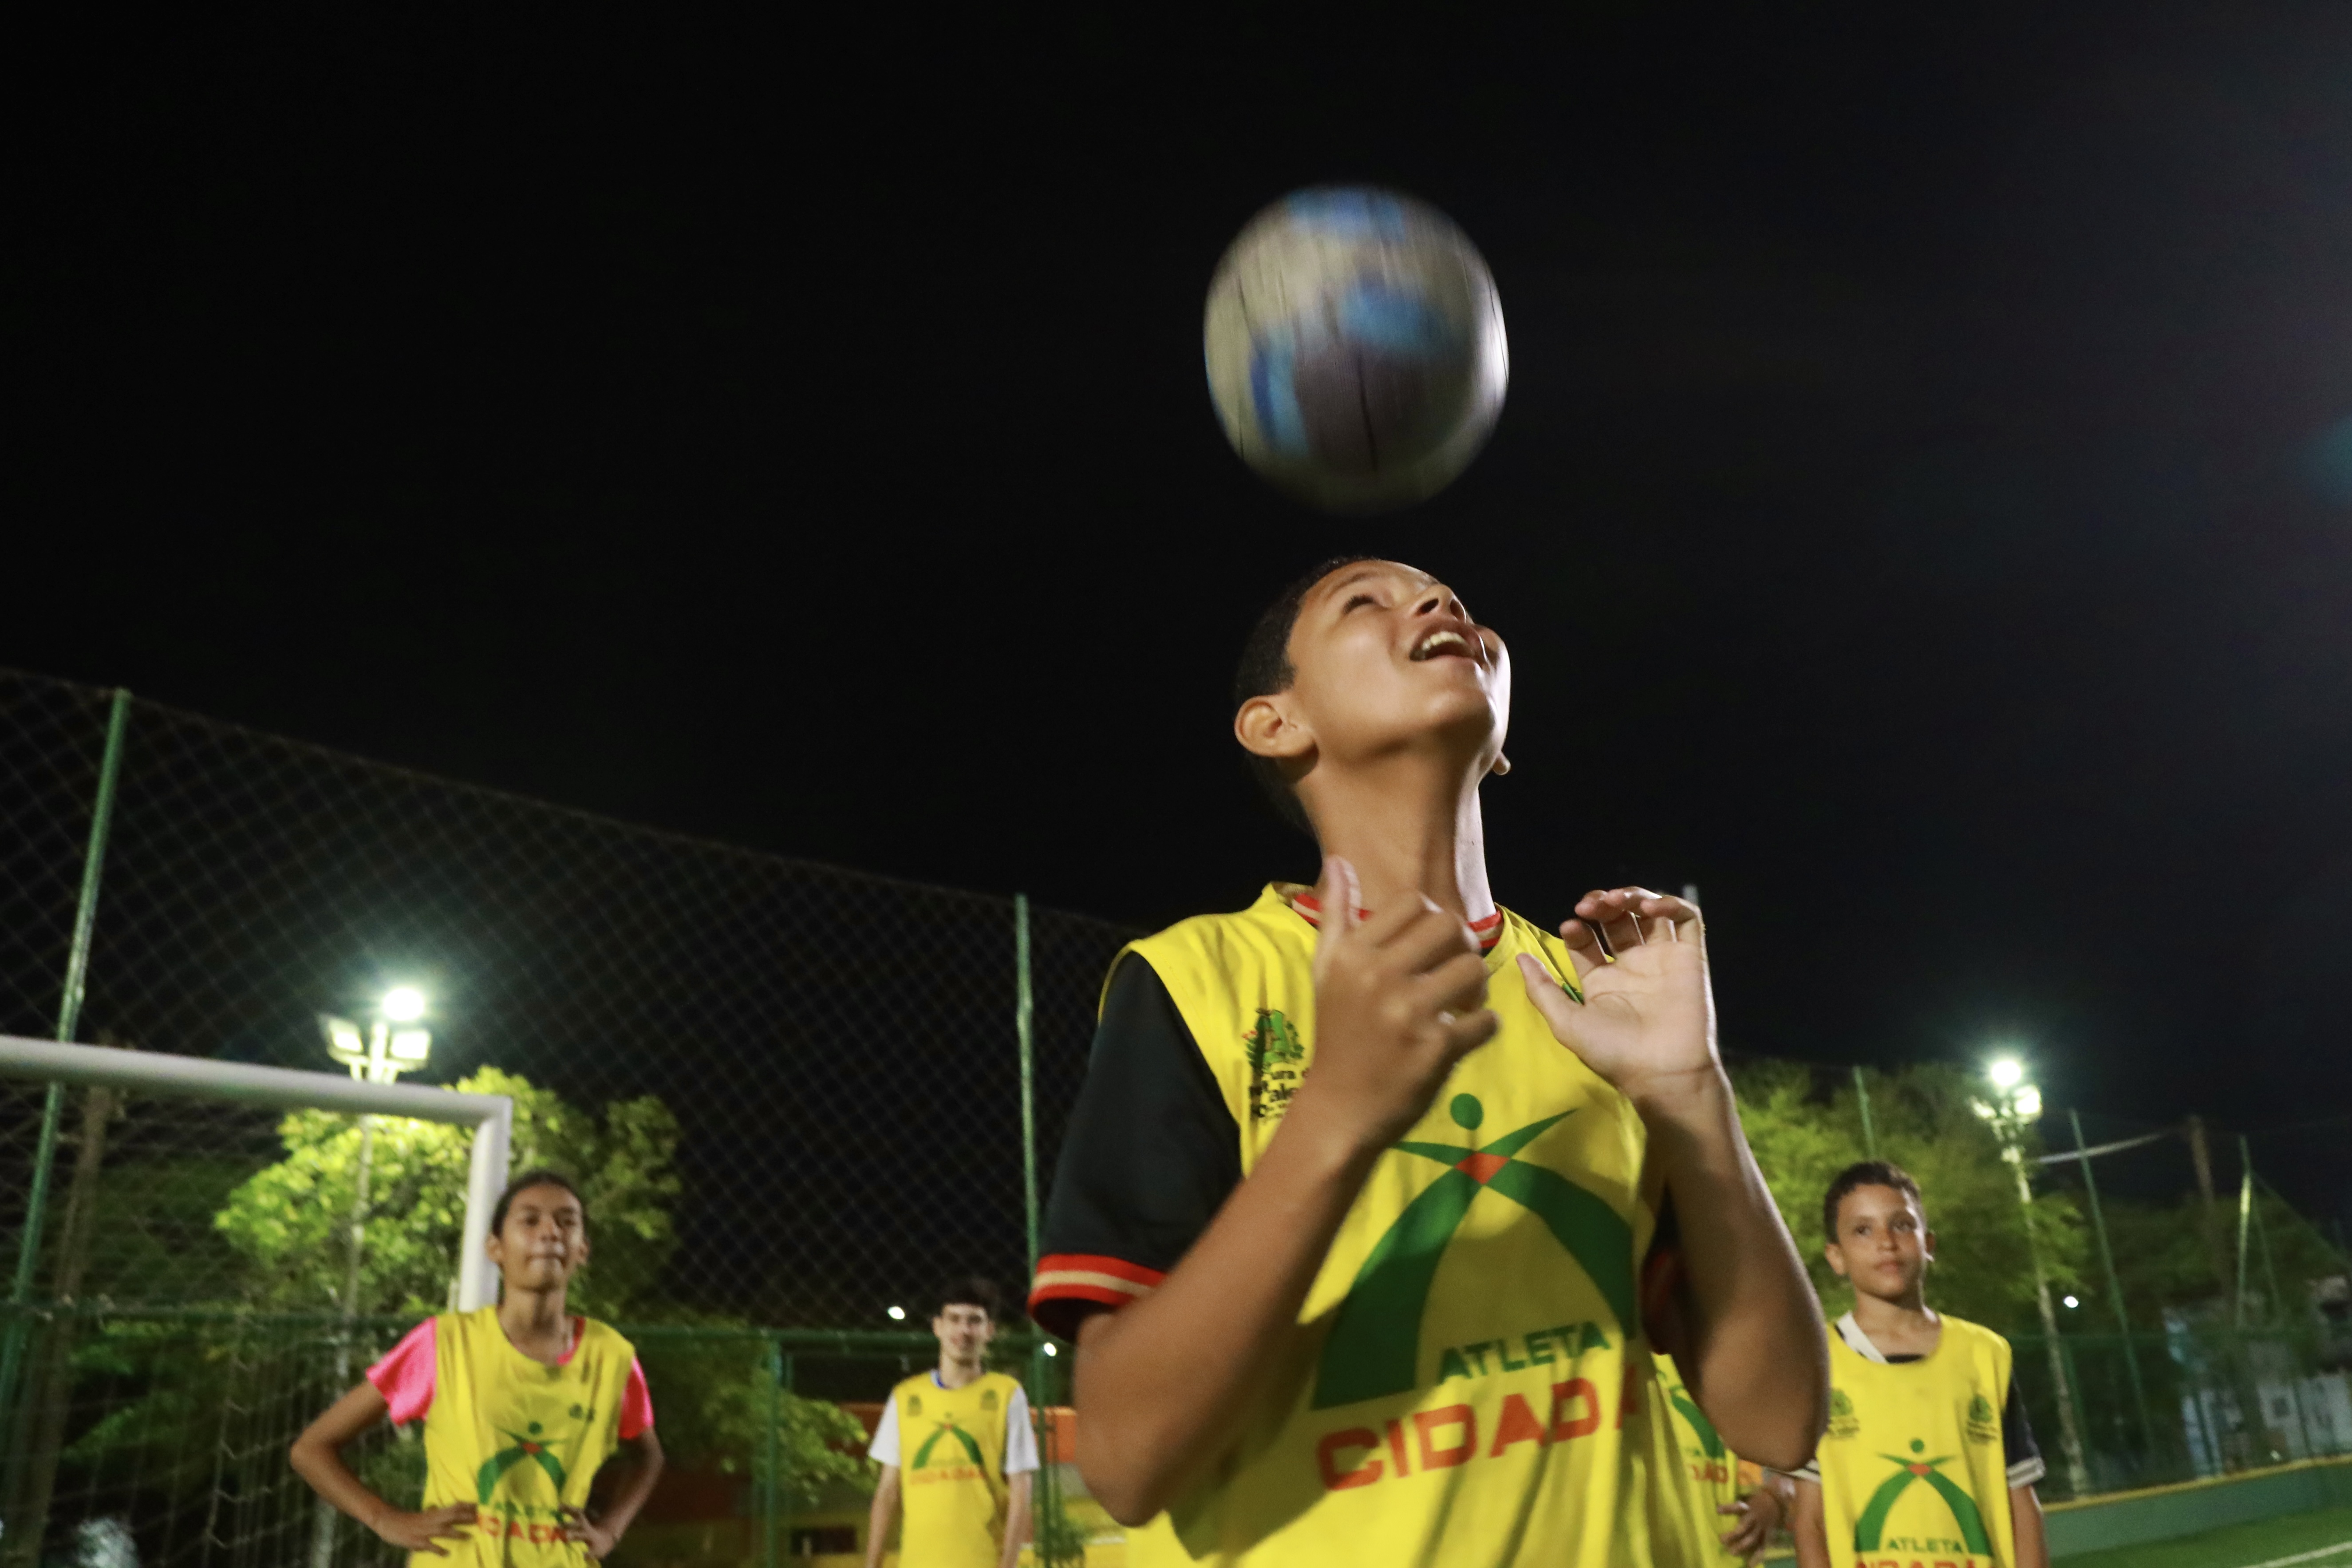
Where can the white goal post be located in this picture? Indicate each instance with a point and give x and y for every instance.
(491, 1116)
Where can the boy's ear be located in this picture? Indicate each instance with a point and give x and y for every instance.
(1927, 1246)
(1836, 1255)
(1266, 727)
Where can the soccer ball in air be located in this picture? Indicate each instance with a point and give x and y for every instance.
(1355, 348)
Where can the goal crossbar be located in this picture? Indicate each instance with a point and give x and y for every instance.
(491, 1116)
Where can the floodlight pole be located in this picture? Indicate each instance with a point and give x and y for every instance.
(2009, 1125)
(2114, 1286)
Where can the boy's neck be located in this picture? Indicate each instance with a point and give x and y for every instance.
(957, 1373)
(1410, 826)
(536, 1324)
(1897, 1324)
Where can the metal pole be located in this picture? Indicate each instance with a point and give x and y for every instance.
(1861, 1098)
(2245, 1213)
(1023, 1019)
(2114, 1287)
(775, 1486)
(45, 1152)
(324, 1517)
(2070, 1436)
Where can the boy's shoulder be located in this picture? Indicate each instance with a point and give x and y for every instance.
(607, 1336)
(1975, 1335)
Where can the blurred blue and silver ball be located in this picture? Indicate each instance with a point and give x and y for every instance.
(1355, 348)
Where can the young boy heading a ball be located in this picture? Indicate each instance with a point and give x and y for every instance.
(1383, 1311)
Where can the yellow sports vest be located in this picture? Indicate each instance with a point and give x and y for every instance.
(517, 1437)
(1460, 1396)
(952, 1471)
(1912, 1466)
(1692, 1475)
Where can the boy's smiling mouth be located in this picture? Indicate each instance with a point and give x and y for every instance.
(1447, 643)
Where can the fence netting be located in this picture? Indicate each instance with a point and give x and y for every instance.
(794, 1096)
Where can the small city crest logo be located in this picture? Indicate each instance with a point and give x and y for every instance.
(1843, 1423)
(988, 1399)
(1277, 1062)
(1869, 1529)
(1375, 1339)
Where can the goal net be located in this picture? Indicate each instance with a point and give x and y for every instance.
(201, 1257)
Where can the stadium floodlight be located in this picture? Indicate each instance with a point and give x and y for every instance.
(1050, 1349)
(383, 1052)
(2072, 1301)
(897, 1314)
(2006, 1072)
(2027, 1101)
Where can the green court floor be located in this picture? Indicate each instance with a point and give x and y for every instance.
(2322, 1539)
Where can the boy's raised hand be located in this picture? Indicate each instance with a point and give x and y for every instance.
(1648, 1014)
(1399, 999)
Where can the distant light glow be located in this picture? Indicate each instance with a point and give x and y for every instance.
(2006, 1072)
(2073, 1301)
(897, 1314)
(403, 1004)
(1051, 1351)
(2029, 1102)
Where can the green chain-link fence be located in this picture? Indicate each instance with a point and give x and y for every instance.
(799, 1097)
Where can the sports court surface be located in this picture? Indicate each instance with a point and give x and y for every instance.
(2322, 1538)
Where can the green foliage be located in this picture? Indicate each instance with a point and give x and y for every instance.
(714, 1393)
(1926, 1122)
(289, 1222)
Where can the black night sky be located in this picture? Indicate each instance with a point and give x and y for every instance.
(1913, 518)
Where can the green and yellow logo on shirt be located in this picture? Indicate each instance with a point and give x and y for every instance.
(1868, 1529)
(1375, 1339)
(947, 1428)
(525, 1444)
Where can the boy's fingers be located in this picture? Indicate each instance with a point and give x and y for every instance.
(1468, 1032)
(1558, 1008)
(1584, 949)
(1457, 986)
(1338, 895)
(1425, 941)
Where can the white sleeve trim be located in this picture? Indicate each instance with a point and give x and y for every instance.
(885, 1447)
(2027, 1472)
(1020, 1437)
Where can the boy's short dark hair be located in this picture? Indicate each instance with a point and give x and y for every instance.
(971, 1290)
(539, 1177)
(1866, 1174)
(1266, 670)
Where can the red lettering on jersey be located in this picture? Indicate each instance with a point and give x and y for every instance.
(1518, 1424)
(1562, 1395)
(1630, 1392)
(1327, 1458)
(1427, 1424)
(1396, 1447)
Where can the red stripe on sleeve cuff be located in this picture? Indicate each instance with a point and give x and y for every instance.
(1082, 1277)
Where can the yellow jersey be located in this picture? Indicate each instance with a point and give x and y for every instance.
(518, 1438)
(1913, 1468)
(951, 1482)
(1692, 1477)
(1471, 1359)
